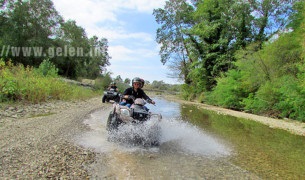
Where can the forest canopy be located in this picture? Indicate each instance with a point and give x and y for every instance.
(33, 31)
(243, 55)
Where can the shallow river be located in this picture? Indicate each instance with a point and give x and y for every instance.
(197, 144)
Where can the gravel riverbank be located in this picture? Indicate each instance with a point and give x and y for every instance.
(36, 140)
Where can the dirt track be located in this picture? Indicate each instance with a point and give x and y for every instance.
(42, 147)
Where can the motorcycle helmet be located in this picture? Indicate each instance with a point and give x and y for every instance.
(137, 79)
(142, 83)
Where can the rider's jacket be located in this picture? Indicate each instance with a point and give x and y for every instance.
(112, 87)
(137, 94)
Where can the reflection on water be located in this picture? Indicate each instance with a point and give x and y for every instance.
(270, 153)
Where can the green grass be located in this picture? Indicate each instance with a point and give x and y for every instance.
(29, 85)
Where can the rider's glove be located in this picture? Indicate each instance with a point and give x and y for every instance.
(149, 101)
(131, 97)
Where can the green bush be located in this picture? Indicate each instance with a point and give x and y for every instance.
(19, 83)
(47, 68)
(263, 101)
(228, 92)
(282, 98)
(292, 98)
(187, 92)
(8, 82)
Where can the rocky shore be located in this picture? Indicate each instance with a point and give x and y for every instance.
(37, 140)
(32, 110)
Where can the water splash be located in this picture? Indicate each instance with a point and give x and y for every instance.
(190, 139)
(96, 137)
(176, 136)
(147, 133)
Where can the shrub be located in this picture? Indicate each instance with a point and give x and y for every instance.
(292, 98)
(47, 68)
(228, 92)
(187, 92)
(8, 82)
(263, 101)
(36, 85)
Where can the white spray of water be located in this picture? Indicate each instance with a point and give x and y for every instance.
(96, 138)
(144, 133)
(176, 136)
(191, 139)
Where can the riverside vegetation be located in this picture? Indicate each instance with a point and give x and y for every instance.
(42, 84)
(242, 55)
(35, 85)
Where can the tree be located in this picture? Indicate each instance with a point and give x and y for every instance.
(99, 57)
(174, 20)
(222, 26)
(70, 38)
(270, 17)
(118, 79)
(35, 24)
(28, 24)
(157, 84)
(127, 81)
(270, 79)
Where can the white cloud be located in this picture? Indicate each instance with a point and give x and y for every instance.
(120, 53)
(134, 52)
(88, 12)
(100, 17)
(146, 5)
(123, 54)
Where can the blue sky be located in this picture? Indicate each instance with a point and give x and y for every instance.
(130, 29)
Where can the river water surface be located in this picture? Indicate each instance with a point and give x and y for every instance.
(197, 144)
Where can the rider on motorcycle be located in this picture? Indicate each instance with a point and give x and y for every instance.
(113, 86)
(134, 92)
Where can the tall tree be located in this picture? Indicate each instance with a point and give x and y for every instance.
(99, 57)
(222, 26)
(270, 17)
(174, 20)
(29, 24)
(73, 38)
(35, 24)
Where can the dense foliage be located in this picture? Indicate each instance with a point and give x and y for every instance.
(31, 31)
(28, 84)
(38, 48)
(244, 55)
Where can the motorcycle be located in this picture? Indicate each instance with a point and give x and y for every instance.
(135, 124)
(111, 94)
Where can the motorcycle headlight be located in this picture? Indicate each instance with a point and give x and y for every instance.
(125, 112)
